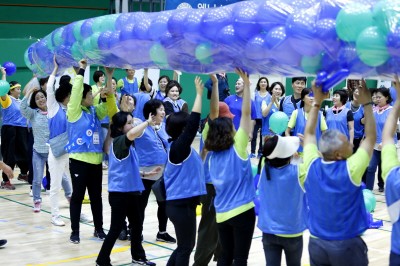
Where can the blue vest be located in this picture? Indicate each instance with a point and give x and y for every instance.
(123, 175)
(287, 105)
(162, 133)
(338, 121)
(358, 127)
(380, 119)
(281, 202)
(58, 123)
(301, 126)
(392, 194)
(150, 148)
(177, 104)
(265, 121)
(232, 179)
(159, 96)
(81, 134)
(141, 99)
(258, 99)
(336, 206)
(186, 179)
(130, 88)
(12, 115)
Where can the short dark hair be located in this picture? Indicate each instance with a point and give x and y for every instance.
(258, 83)
(294, 79)
(162, 77)
(171, 84)
(304, 92)
(43, 81)
(175, 124)
(63, 92)
(344, 96)
(86, 89)
(220, 134)
(386, 93)
(142, 87)
(65, 79)
(277, 83)
(32, 102)
(118, 122)
(97, 74)
(150, 107)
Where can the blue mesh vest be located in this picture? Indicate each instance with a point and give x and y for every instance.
(301, 125)
(58, 123)
(392, 194)
(265, 131)
(12, 115)
(336, 205)
(130, 88)
(150, 148)
(288, 106)
(338, 121)
(358, 127)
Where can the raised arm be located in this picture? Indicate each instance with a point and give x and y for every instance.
(52, 105)
(364, 98)
(111, 100)
(245, 120)
(309, 131)
(3, 77)
(199, 92)
(27, 111)
(391, 121)
(74, 110)
(146, 80)
(214, 101)
(266, 108)
(138, 130)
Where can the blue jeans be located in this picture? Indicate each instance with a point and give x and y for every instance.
(38, 162)
(373, 164)
(274, 245)
(348, 252)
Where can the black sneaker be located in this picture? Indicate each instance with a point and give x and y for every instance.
(99, 234)
(3, 242)
(74, 238)
(165, 237)
(143, 262)
(123, 235)
(23, 178)
(381, 189)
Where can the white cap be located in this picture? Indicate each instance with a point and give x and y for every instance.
(285, 147)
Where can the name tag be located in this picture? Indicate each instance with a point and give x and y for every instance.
(96, 138)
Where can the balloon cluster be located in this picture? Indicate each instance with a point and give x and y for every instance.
(284, 37)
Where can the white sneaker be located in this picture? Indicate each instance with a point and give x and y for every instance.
(37, 205)
(85, 218)
(30, 193)
(56, 220)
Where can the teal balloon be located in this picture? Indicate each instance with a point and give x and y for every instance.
(386, 15)
(352, 20)
(77, 30)
(4, 87)
(57, 37)
(371, 47)
(278, 122)
(77, 51)
(204, 53)
(369, 200)
(311, 64)
(104, 23)
(159, 55)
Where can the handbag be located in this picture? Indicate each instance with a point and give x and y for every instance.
(58, 143)
(159, 189)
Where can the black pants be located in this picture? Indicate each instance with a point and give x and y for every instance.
(85, 175)
(257, 131)
(123, 205)
(161, 212)
(207, 238)
(236, 235)
(182, 214)
(14, 148)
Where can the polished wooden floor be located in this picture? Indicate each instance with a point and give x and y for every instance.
(33, 240)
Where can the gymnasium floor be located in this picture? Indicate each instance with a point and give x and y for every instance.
(33, 240)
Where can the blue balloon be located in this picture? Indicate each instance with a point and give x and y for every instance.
(256, 48)
(158, 27)
(104, 40)
(272, 14)
(393, 42)
(86, 28)
(329, 9)
(127, 33)
(244, 24)
(348, 59)
(214, 20)
(280, 49)
(304, 4)
(68, 34)
(391, 66)
(122, 20)
(141, 29)
(176, 23)
(326, 35)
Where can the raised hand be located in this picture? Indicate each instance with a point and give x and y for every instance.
(199, 85)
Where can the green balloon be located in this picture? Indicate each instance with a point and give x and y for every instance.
(353, 19)
(77, 51)
(4, 87)
(159, 55)
(278, 122)
(57, 37)
(254, 169)
(77, 30)
(87, 45)
(386, 14)
(371, 47)
(369, 200)
(311, 64)
(97, 22)
(204, 53)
